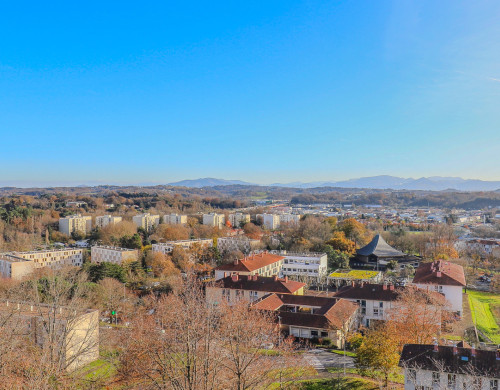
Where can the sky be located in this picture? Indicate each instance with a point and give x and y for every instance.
(135, 92)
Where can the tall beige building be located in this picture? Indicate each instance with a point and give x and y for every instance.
(75, 223)
(16, 265)
(111, 254)
(238, 219)
(214, 219)
(175, 219)
(146, 221)
(105, 220)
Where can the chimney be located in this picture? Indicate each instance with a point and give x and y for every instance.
(286, 279)
(436, 348)
(473, 350)
(391, 287)
(225, 274)
(275, 278)
(438, 274)
(234, 277)
(236, 262)
(384, 286)
(353, 283)
(455, 349)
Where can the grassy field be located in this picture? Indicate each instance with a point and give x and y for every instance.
(328, 384)
(485, 309)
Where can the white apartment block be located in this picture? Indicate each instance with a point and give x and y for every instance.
(270, 221)
(75, 223)
(146, 221)
(237, 220)
(167, 247)
(214, 219)
(289, 218)
(105, 220)
(16, 265)
(175, 219)
(239, 243)
(304, 264)
(111, 254)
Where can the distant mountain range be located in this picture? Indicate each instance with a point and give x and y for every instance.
(434, 183)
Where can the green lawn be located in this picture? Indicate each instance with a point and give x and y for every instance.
(483, 307)
(341, 352)
(329, 384)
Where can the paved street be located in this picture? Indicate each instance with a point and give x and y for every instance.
(321, 360)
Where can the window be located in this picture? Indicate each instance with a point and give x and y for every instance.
(494, 384)
(324, 334)
(412, 375)
(314, 333)
(452, 380)
(375, 311)
(435, 378)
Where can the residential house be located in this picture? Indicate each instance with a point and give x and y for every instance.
(310, 317)
(308, 264)
(444, 277)
(250, 287)
(263, 264)
(237, 220)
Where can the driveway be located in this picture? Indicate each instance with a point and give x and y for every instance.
(321, 360)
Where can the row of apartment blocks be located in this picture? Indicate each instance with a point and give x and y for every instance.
(17, 265)
(83, 223)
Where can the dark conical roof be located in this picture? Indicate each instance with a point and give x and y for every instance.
(379, 248)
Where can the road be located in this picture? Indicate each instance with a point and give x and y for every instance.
(321, 360)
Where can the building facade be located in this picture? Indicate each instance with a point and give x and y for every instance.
(75, 224)
(214, 219)
(312, 265)
(237, 220)
(429, 367)
(111, 254)
(167, 247)
(238, 243)
(146, 221)
(16, 265)
(175, 219)
(105, 220)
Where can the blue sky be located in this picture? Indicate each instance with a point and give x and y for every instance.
(264, 91)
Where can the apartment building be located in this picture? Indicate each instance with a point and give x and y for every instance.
(376, 300)
(214, 219)
(238, 243)
(16, 265)
(270, 221)
(428, 367)
(74, 334)
(175, 219)
(310, 317)
(289, 218)
(444, 277)
(105, 220)
(168, 247)
(146, 221)
(312, 264)
(263, 264)
(250, 287)
(237, 220)
(111, 254)
(75, 223)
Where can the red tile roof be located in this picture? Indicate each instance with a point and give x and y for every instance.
(329, 313)
(251, 263)
(440, 272)
(260, 283)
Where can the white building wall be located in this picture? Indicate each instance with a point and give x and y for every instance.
(313, 265)
(453, 295)
(428, 380)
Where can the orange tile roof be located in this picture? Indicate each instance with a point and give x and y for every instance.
(260, 283)
(440, 272)
(251, 263)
